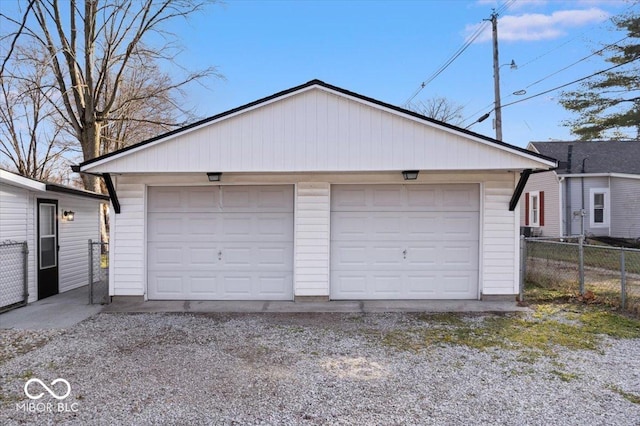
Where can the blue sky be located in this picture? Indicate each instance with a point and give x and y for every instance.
(385, 49)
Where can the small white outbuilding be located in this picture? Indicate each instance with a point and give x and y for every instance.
(56, 222)
(315, 192)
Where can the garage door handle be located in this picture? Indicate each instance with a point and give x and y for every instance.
(220, 255)
(404, 253)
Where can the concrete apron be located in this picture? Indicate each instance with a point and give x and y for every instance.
(365, 306)
(68, 309)
(63, 310)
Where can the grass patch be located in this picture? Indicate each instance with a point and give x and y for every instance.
(550, 327)
(564, 376)
(631, 397)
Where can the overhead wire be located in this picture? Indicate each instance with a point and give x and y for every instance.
(550, 75)
(479, 30)
(569, 84)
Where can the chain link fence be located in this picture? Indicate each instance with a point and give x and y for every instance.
(591, 273)
(14, 275)
(98, 273)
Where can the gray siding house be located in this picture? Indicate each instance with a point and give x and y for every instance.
(596, 188)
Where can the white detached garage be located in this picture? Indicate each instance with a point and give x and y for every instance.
(313, 193)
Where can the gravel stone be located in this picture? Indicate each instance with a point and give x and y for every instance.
(309, 369)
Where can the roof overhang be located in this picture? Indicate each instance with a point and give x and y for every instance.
(21, 181)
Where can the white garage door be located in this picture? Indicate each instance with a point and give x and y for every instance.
(220, 242)
(404, 241)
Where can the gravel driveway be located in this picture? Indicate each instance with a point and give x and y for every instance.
(304, 369)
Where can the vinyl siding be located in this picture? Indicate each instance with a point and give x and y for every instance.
(127, 251)
(73, 239)
(14, 207)
(498, 234)
(311, 255)
(317, 130)
(547, 182)
(17, 224)
(499, 240)
(576, 203)
(625, 207)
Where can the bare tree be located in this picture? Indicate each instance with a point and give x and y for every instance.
(31, 137)
(92, 47)
(441, 109)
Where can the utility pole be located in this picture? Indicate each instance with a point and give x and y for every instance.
(496, 76)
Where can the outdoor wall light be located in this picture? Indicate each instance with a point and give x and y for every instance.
(68, 215)
(410, 174)
(214, 177)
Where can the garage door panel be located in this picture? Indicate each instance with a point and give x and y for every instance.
(167, 285)
(422, 285)
(348, 226)
(422, 197)
(424, 255)
(385, 285)
(404, 241)
(173, 227)
(460, 198)
(385, 196)
(256, 227)
(165, 256)
(458, 285)
(220, 243)
(374, 255)
(202, 285)
(273, 257)
(273, 286)
(460, 226)
(460, 256)
(238, 199)
(350, 285)
(174, 199)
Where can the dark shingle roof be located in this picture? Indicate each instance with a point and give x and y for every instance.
(601, 156)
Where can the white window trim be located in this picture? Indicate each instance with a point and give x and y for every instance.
(532, 223)
(606, 216)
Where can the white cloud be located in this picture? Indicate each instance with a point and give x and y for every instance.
(537, 26)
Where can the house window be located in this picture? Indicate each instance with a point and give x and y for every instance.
(599, 210)
(534, 209)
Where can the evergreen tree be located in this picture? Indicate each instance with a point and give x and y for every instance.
(608, 105)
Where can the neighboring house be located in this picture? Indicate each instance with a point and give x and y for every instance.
(56, 221)
(597, 185)
(315, 193)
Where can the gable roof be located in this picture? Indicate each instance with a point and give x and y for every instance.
(91, 165)
(598, 156)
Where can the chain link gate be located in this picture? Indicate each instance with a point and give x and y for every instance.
(14, 275)
(98, 273)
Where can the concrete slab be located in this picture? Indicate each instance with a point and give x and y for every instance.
(60, 311)
(301, 307)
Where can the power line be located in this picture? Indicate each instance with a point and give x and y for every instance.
(479, 30)
(597, 52)
(569, 84)
(550, 75)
